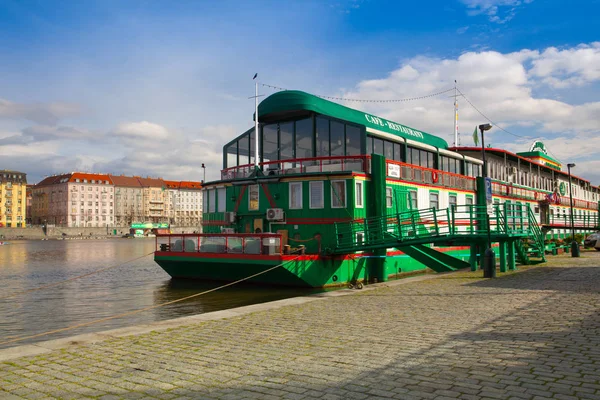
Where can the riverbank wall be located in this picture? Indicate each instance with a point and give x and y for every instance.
(56, 232)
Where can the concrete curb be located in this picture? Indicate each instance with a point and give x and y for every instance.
(49, 346)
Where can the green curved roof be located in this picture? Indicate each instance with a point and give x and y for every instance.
(294, 100)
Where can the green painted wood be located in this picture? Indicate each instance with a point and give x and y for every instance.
(446, 259)
(511, 256)
(473, 256)
(430, 261)
(502, 251)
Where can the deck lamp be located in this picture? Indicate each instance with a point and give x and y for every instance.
(489, 258)
(574, 244)
(203, 173)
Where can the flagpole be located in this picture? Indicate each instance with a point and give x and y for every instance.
(455, 116)
(256, 121)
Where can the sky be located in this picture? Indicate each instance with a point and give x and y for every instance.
(156, 88)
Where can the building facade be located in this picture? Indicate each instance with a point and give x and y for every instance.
(184, 203)
(74, 200)
(82, 199)
(13, 199)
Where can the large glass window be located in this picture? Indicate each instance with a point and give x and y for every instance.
(244, 150)
(253, 197)
(338, 194)
(388, 150)
(337, 138)
(304, 138)
(322, 138)
(369, 145)
(270, 142)
(232, 155)
(286, 140)
(352, 140)
(316, 194)
(397, 152)
(377, 146)
(221, 199)
(295, 195)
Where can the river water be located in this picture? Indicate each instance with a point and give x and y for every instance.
(134, 285)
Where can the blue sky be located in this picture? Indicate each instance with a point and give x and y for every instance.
(157, 87)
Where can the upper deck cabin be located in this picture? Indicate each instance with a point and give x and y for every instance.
(300, 133)
(533, 174)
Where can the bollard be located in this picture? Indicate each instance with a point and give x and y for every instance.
(489, 264)
(574, 249)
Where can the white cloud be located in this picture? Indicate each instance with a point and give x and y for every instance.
(501, 86)
(42, 113)
(497, 11)
(568, 67)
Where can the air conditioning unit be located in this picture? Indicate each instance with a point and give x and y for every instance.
(275, 214)
(230, 217)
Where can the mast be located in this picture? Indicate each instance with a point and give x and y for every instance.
(256, 120)
(456, 143)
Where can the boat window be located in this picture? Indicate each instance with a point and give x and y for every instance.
(398, 152)
(304, 138)
(316, 194)
(322, 138)
(358, 194)
(338, 194)
(286, 140)
(452, 200)
(352, 140)
(270, 142)
(414, 156)
(434, 200)
(388, 150)
(369, 145)
(252, 198)
(337, 138)
(243, 150)
(469, 200)
(295, 195)
(413, 199)
(377, 146)
(221, 199)
(252, 146)
(211, 200)
(388, 197)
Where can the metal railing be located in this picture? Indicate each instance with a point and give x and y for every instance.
(579, 221)
(359, 163)
(416, 173)
(208, 243)
(463, 220)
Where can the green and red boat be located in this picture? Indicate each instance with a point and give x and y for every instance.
(334, 196)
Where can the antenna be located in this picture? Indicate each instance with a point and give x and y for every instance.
(456, 142)
(256, 96)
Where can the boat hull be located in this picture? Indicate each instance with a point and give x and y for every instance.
(298, 271)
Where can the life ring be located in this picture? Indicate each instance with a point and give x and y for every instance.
(434, 176)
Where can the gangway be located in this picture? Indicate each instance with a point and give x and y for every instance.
(413, 230)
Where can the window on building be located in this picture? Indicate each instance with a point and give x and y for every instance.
(469, 200)
(338, 194)
(221, 199)
(434, 200)
(316, 194)
(253, 197)
(295, 195)
(358, 194)
(388, 197)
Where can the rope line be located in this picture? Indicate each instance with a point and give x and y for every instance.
(364, 100)
(74, 278)
(125, 314)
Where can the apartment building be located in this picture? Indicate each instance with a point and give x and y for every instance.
(184, 203)
(13, 198)
(76, 199)
(129, 204)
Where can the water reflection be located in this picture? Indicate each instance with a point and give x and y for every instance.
(30, 264)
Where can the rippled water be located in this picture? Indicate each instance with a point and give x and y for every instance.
(138, 284)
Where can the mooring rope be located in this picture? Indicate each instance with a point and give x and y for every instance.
(74, 278)
(125, 314)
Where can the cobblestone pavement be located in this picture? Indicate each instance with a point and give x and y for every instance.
(533, 334)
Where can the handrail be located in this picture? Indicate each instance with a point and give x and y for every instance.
(431, 176)
(300, 165)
